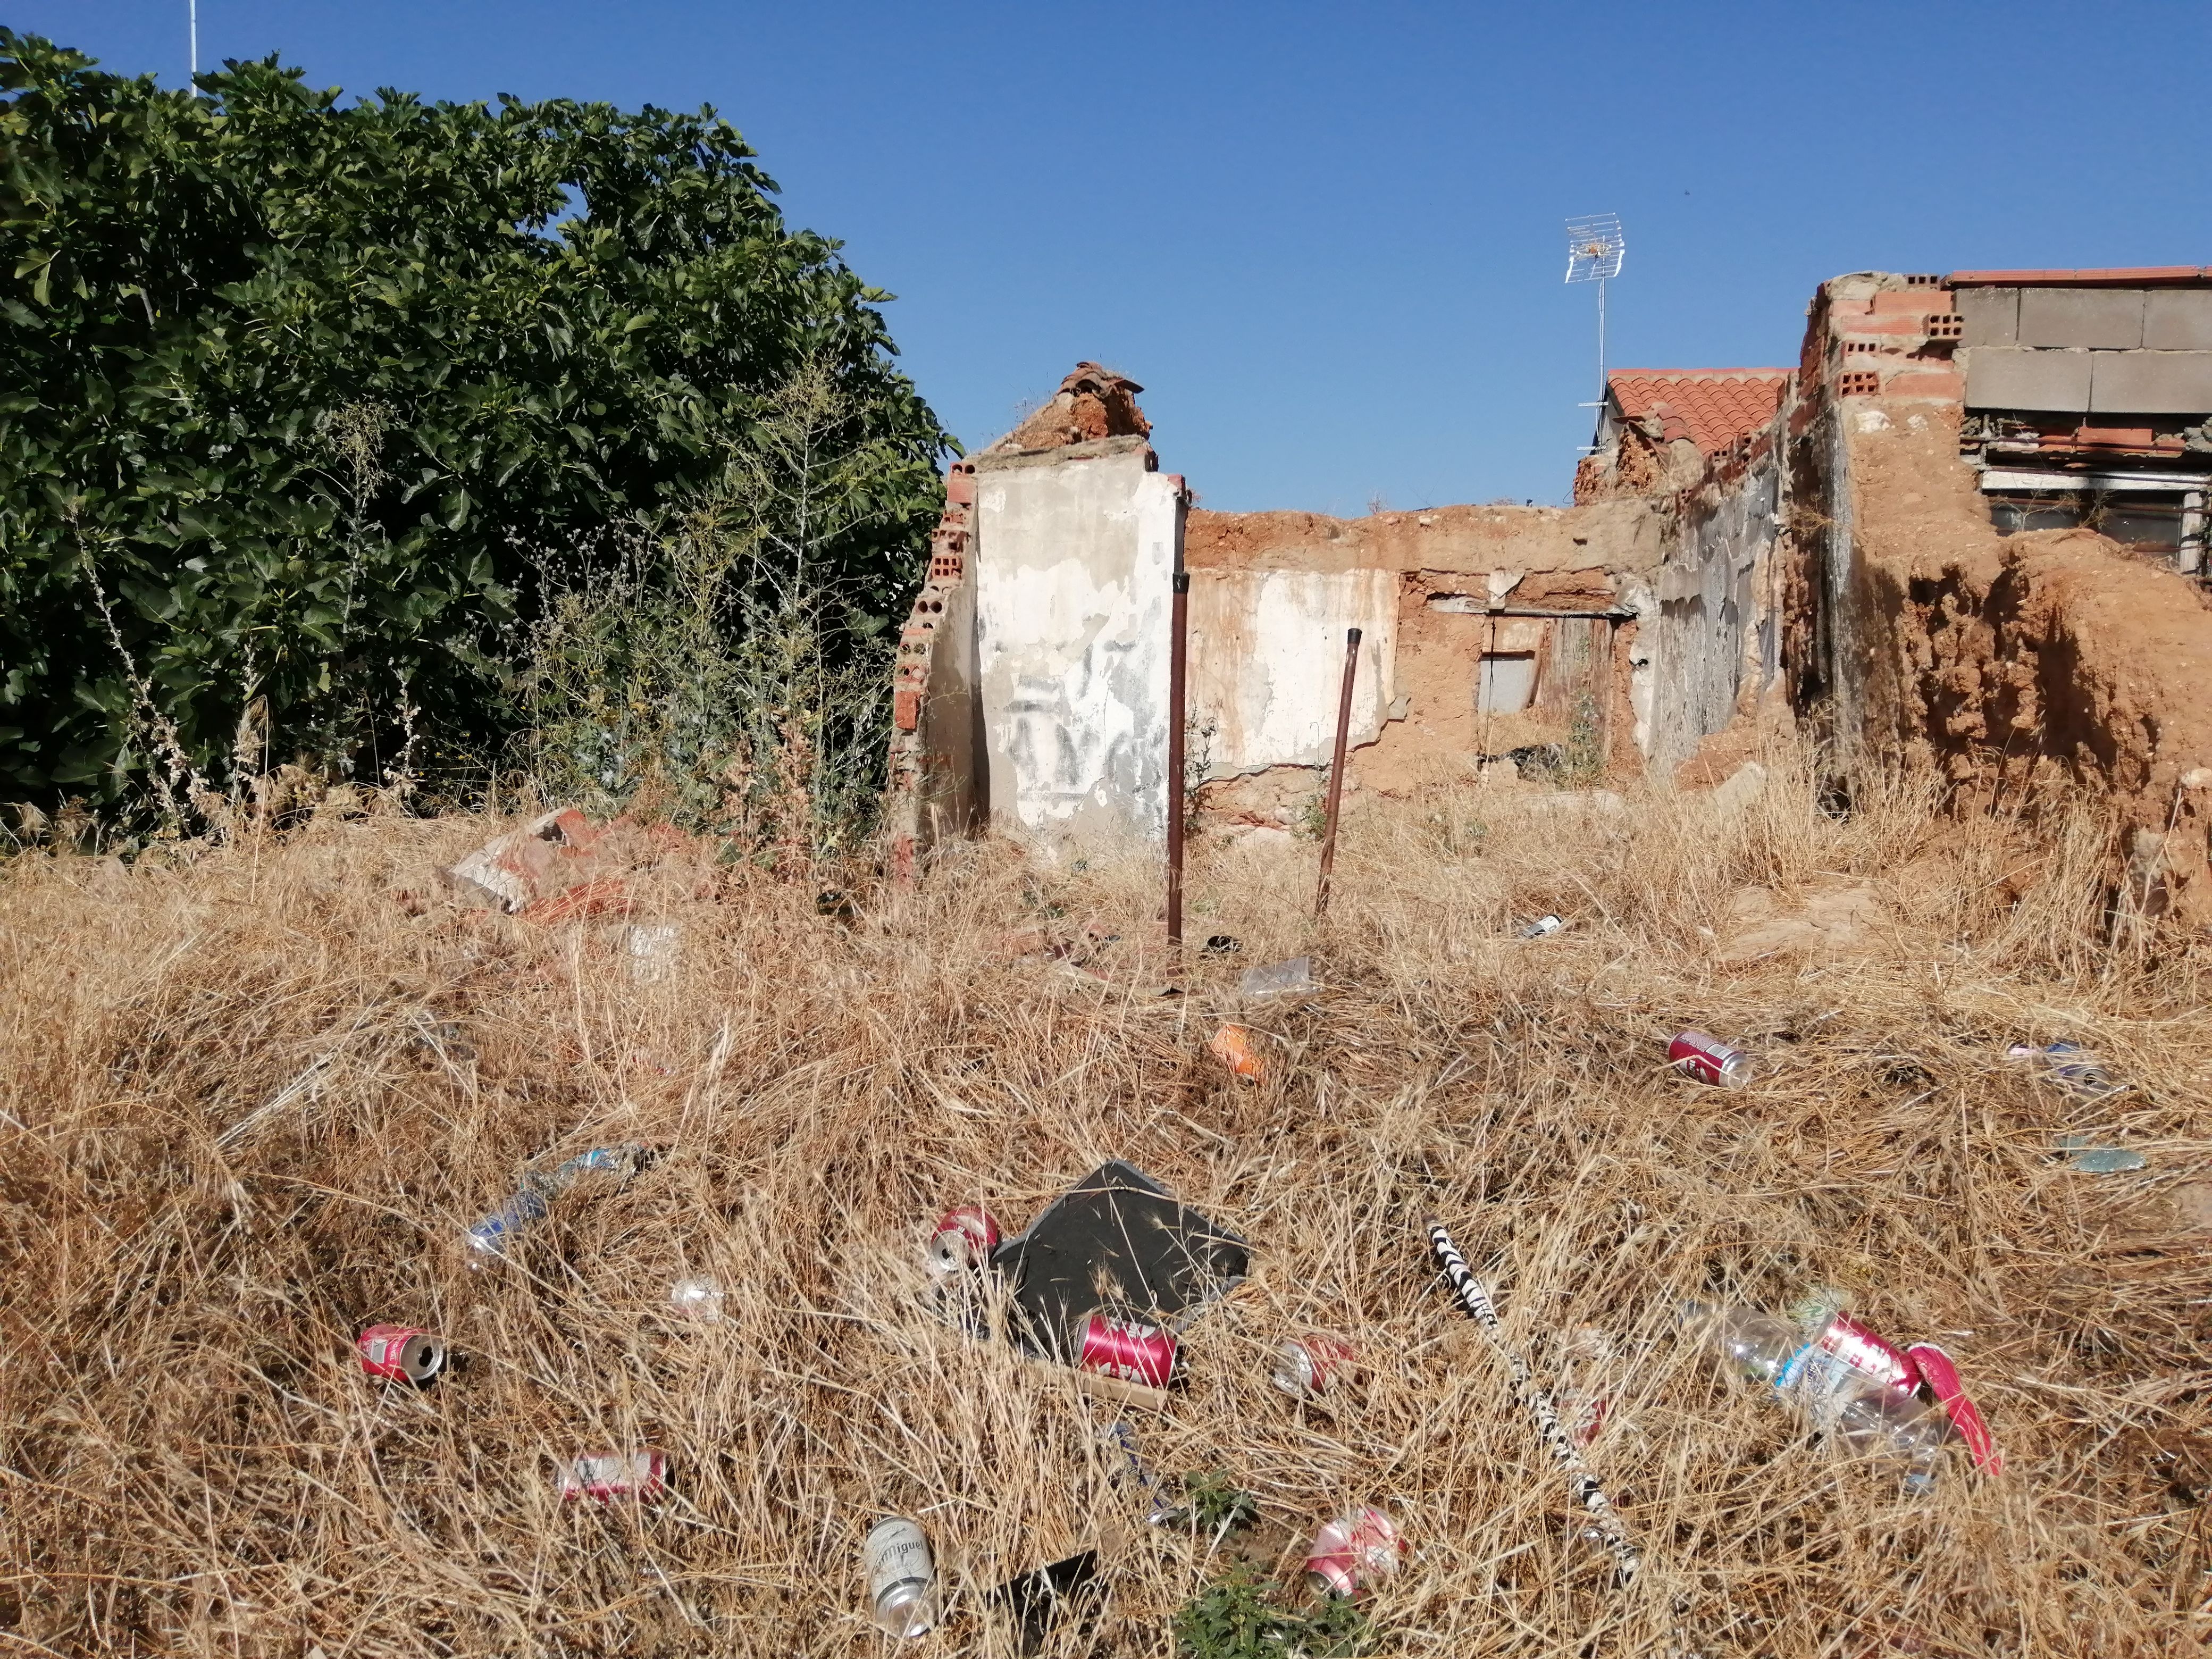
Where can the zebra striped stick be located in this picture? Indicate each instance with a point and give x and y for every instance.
(1540, 1403)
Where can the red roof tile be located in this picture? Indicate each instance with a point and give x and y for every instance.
(1711, 407)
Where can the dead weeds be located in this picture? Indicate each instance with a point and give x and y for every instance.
(251, 1104)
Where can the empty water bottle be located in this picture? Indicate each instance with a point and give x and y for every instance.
(490, 1238)
(1856, 1389)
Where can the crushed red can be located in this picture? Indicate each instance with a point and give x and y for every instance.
(1706, 1058)
(604, 1477)
(400, 1354)
(1127, 1348)
(1307, 1367)
(1874, 1356)
(1352, 1552)
(962, 1239)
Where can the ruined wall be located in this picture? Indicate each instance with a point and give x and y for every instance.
(1920, 636)
(1075, 549)
(938, 782)
(1553, 593)
(1716, 638)
(1267, 665)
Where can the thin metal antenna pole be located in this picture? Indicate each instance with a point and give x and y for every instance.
(1336, 768)
(1601, 342)
(193, 7)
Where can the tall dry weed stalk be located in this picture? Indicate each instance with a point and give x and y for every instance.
(250, 1105)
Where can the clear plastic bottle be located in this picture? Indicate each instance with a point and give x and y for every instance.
(1849, 1401)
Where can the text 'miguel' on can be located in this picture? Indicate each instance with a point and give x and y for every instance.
(604, 1477)
(1708, 1059)
(962, 1239)
(401, 1354)
(1127, 1348)
(901, 1576)
(1307, 1367)
(1352, 1552)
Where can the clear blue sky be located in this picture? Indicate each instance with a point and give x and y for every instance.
(1326, 237)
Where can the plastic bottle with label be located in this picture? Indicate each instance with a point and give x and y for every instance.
(1851, 1386)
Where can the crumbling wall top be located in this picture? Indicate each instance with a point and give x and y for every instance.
(1616, 535)
(1093, 403)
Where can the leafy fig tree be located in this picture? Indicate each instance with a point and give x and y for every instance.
(295, 397)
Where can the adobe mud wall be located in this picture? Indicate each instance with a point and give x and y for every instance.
(1917, 636)
(1556, 591)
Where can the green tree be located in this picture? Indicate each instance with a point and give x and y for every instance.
(296, 398)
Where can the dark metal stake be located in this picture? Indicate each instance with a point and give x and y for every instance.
(1178, 631)
(1336, 768)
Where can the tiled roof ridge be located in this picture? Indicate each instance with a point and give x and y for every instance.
(1711, 407)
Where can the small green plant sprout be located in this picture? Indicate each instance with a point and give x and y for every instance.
(1239, 1616)
(1217, 1504)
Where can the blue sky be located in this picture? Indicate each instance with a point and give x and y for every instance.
(1327, 239)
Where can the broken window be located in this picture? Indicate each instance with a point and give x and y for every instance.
(1507, 684)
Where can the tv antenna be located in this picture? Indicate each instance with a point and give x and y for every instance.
(1595, 248)
(192, 22)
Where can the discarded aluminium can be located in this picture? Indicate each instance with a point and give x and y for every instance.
(401, 1354)
(963, 1239)
(1127, 1348)
(1542, 928)
(1307, 1367)
(901, 1576)
(605, 1476)
(1351, 1551)
(1708, 1059)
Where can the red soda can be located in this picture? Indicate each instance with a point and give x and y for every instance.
(400, 1354)
(1127, 1348)
(1353, 1551)
(1307, 1367)
(1870, 1355)
(1708, 1059)
(604, 1477)
(963, 1239)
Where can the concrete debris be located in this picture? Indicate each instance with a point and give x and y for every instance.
(1742, 787)
(560, 866)
(1837, 918)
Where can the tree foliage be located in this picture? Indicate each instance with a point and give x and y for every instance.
(294, 397)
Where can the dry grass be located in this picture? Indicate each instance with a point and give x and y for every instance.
(193, 1464)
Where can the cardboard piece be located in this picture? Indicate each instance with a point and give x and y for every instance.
(1115, 1241)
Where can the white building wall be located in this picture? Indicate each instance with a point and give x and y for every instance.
(1075, 555)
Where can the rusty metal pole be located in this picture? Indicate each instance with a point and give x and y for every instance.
(1178, 643)
(1336, 768)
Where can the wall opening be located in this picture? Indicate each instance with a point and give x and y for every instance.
(1508, 682)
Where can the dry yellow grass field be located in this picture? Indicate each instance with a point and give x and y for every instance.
(193, 1463)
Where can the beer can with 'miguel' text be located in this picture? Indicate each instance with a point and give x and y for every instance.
(604, 1477)
(1708, 1059)
(1127, 1348)
(1307, 1367)
(400, 1354)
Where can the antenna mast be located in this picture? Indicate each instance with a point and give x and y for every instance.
(1595, 248)
(192, 9)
